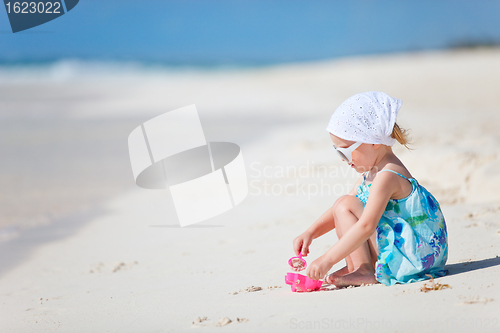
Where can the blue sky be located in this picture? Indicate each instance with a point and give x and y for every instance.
(253, 32)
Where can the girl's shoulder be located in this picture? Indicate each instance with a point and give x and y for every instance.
(389, 177)
(400, 177)
(395, 174)
(397, 169)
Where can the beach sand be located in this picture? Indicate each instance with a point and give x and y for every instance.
(83, 249)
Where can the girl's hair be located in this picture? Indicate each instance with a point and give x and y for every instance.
(401, 135)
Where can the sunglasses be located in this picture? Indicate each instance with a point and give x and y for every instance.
(346, 153)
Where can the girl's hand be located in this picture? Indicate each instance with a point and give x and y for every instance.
(319, 267)
(301, 244)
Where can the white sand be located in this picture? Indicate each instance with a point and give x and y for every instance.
(132, 269)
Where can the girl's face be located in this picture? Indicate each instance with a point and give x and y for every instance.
(363, 157)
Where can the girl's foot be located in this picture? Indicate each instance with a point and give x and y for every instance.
(341, 272)
(365, 274)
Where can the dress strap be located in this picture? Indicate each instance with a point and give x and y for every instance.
(397, 173)
(364, 178)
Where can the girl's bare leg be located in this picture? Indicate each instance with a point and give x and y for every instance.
(349, 266)
(361, 262)
(341, 272)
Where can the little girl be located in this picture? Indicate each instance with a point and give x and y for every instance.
(390, 228)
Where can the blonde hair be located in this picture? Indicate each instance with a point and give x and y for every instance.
(401, 135)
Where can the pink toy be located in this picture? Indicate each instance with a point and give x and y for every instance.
(302, 283)
(304, 263)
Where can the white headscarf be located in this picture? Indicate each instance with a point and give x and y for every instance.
(367, 117)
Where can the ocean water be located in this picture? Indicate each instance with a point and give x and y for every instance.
(249, 33)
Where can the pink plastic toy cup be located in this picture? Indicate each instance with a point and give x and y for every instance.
(301, 283)
(304, 263)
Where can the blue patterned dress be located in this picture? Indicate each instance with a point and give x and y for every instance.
(411, 236)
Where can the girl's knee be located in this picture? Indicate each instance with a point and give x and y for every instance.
(347, 203)
(342, 201)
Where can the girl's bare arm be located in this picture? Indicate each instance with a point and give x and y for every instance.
(383, 187)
